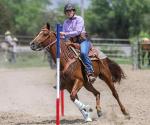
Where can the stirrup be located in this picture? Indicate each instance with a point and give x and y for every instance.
(91, 78)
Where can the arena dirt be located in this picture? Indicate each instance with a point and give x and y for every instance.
(27, 97)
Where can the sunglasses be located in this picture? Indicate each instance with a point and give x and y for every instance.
(69, 11)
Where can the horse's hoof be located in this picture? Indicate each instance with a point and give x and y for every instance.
(54, 86)
(99, 113)
(88, 119)
(127, 116)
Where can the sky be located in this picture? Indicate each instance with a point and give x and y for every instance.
(86, 2)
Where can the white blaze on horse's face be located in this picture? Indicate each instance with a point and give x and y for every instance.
(42, 36)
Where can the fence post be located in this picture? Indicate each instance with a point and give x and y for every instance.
(139, 53)
(135, 63)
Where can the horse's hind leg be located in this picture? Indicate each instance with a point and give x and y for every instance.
(107, 79)
(90, 88)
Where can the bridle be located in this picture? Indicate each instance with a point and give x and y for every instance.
(50, 44)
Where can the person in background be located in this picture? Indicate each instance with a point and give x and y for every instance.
(73, 27)
(11, 42)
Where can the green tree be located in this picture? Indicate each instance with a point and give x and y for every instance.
(25, 15)
(117, 18)
(5, 16)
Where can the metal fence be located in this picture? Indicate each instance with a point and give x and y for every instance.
(120, 50)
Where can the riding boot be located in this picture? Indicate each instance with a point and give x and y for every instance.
(91, 78)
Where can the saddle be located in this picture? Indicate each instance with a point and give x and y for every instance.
(94, 53)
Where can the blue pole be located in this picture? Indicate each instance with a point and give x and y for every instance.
(58, 41)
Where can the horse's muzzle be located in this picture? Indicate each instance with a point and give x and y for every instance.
(33, 45)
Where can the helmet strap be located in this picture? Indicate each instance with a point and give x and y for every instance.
(73, 15)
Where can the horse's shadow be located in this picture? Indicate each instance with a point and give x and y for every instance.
(66, 121)
(63, 122)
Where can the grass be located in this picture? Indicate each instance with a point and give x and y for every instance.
(34, 59)
(122, 60)
(37, 59)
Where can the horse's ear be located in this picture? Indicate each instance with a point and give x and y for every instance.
(48, 26)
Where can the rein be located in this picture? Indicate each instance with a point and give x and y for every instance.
(50, 45)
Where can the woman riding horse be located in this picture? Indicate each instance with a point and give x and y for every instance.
(72, 75)
(73, 27)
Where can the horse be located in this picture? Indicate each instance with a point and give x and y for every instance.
(72, 71)
(145, 47)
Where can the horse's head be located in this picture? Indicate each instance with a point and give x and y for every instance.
(42, 40)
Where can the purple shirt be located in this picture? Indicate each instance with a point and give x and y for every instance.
(73, 27)
(9, 40)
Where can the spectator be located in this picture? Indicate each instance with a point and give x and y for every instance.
(11, 42)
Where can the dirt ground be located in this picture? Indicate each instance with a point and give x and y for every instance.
(27, 97)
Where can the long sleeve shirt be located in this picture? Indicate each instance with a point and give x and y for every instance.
(9, 40)
(74, 27)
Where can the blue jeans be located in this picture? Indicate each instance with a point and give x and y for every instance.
(84, 50)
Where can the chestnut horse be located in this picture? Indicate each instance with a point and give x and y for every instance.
(73, 76)
(145, 47)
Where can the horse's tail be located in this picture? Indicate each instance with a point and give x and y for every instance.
(116, 71)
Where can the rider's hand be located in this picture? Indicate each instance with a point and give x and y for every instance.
(62, 33)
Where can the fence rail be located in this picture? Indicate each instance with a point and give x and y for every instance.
(119, 50)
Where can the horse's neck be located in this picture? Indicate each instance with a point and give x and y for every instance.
(66, 54)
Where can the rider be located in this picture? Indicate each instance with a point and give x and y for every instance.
(73, 27)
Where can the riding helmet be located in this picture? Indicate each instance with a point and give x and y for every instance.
(7, 32)
(69, 6)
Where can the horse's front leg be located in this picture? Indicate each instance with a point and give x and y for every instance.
(76, 87)
(84, 109)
